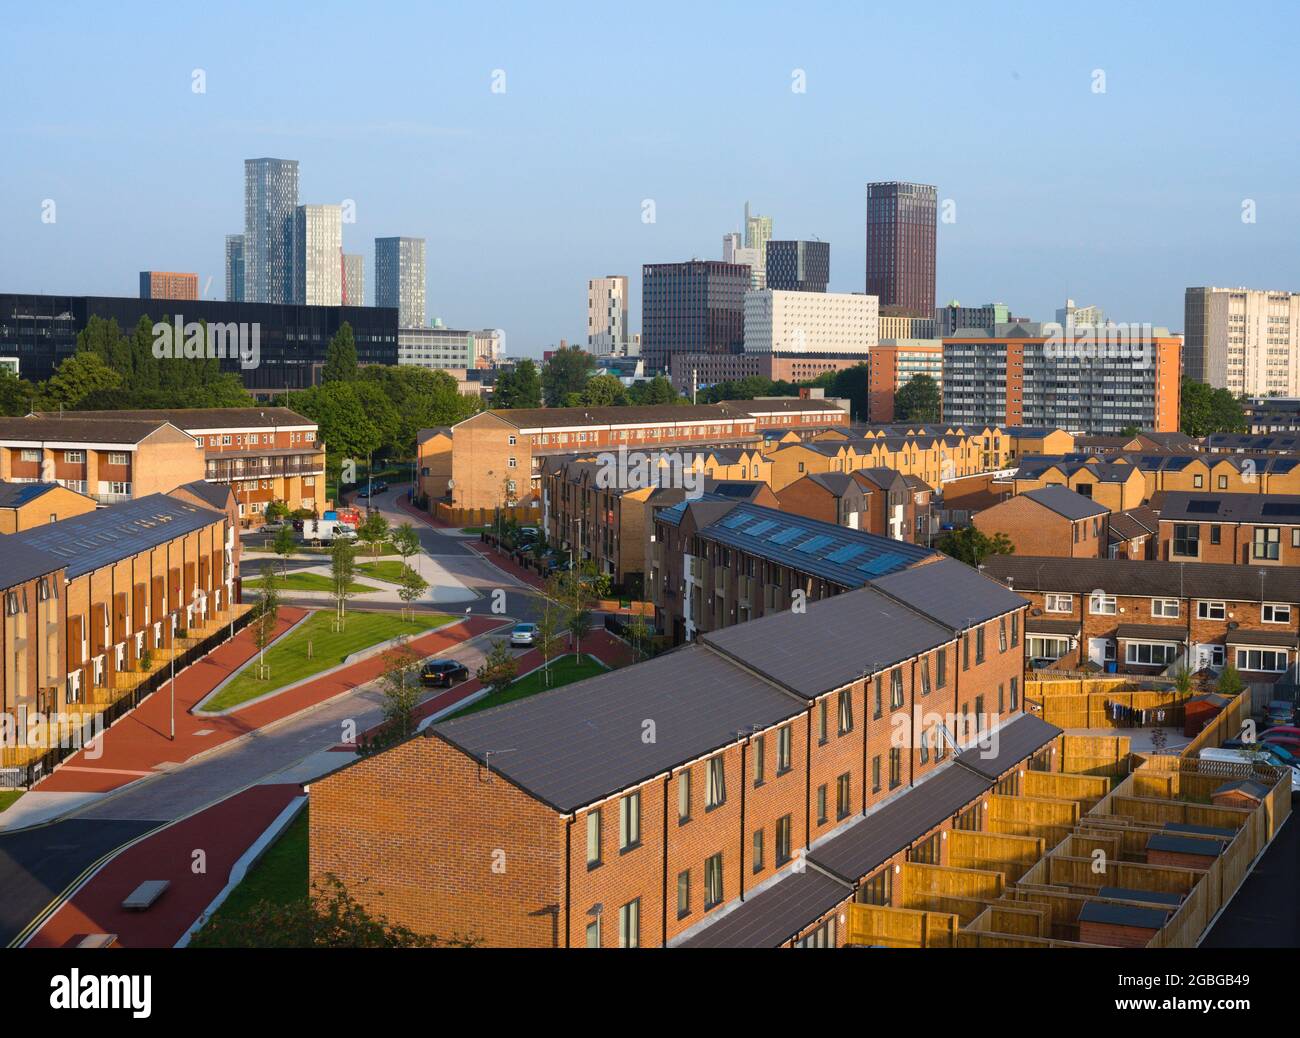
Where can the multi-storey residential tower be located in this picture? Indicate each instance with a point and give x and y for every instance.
(758, 230)
(354, 280)
(607, 315)
(399, 278)
(318, 255)
(270, 201)
(734, 252)
(691, 307)
(954, 317)
(1244, 340)
(798, 266)
(167, 284)
(234, 268)
(900, 246)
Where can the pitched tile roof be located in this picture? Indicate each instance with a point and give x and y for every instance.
(1065, 502)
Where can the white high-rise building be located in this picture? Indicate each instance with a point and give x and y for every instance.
(354, 280)
(399, 278)
(756, 261)
(1245, 340)
(1071, 315)
(607, 315)
(270, 202)
(318, 255)
(811, 322)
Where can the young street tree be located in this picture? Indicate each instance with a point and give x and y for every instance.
(401, 686)
(284, 545)
(973, 546)
(373, 530)
(343, 567)
(551, 624)
(265, 617)
(410, 588)
(406, 542)
(499, 668)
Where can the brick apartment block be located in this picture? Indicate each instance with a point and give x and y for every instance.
(1050, 521)
(1152, 617)
(1245, 529)
(24, 505)
(736, 791)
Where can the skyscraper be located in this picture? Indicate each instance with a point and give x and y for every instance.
(607, 315)
(901, 221)
(734, 252)
(692, 307)
(1246, 340)
(798, 266)
(758, 229)
(354, 280)
(399, 278)
(234, 268)
(270, 201)
(318, 255)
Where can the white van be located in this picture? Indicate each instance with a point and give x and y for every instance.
(327, 530)
(1233, 756)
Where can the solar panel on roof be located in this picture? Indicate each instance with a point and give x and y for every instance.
(881, 564)
(845, 554)
(732, 521)
(761, 527)
(1205, 507)
(816, 544)
(1280, 509)
(787, 535)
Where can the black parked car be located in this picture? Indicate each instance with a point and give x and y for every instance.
(443, 673)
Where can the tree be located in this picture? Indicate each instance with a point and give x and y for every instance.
(277, 509)
(410, 587)
(657, 390)
(639, 634)
(521, 387)
(853, 384)
(973, 546)
(341, 357)
(266, 614)
(15, 394)
(327, 917)
(343, 567)
(344, 424)
(1206, 410)
(499, 668)
(406, 542)
(76, 378)
(373, 530)
(1230, 683)
(401, 689)
(284, 545)
(566, 372)
(604, 391)
(553, 620)
(919, 400)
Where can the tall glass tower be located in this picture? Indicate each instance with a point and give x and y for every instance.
(270, 202)
(399, 278)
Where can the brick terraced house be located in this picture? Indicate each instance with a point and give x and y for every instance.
(1154, 617)
(740, 791)
(1241, 529)
(1050, 521)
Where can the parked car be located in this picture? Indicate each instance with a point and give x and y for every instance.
(364, 492)
(274, 525)
(1290, 743)
(443, 673)
(523, 634)
(378, 486)
(297, 524)
(1280, 729)
(1280, 712)
(1277, 758)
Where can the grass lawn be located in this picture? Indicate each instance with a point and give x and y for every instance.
(389, 570)
(288, 658)
(280, 876)
(564, 671)
(363, 548)
(309, 582)
(8, 796)
(475, 530)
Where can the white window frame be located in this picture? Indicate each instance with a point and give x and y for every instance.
(1205, 608)
(1095, 602)
(1052, 603)
(1243, 660)
(1133, 657)
(1268, 612)
(1160, 605)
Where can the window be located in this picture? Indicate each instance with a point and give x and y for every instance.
(74, 457)
(925, 676)
(1295, 536)
(1198, 481)
(843, 795)
(1187, 539)
(1148, 654)
(683, 894)
(1211, 611)
(629, 822)
(784, 744)
(760, 758)
(965, 650)
(979, 645)
(683, 797)
(31, 455)
(1216, 534)
(821, 804)
(822, 937)
(713, 881)
(941, 668)
(512, 439)
(1002, 634)
(1015, 693)
(1002, 698)
(783, 829)
(1058, 603)
(846, 711)
(118, 458)
(821, 721)
(1015, 629)
(593, 838)
(925, 746)
(1102, 605)
(1223, 482)
(593, 934)
(758, 850)
(895, 767)
(1269, 660)
(878, 704)
(1276, 613)
(716, 794)
(875, 774)
(629, 925)
(876, 890)
(1268, 541)
(1166, 607)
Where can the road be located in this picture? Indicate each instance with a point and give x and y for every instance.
(37, 865)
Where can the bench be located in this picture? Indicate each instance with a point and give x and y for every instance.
(143, 896)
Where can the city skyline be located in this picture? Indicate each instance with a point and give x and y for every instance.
(1031, 232)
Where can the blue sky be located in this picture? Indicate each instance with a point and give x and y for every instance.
(1120, 198)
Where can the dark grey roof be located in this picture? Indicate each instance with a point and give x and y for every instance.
(1175, 844)
(838, 483)
(580, 743)
(951, 592)
(215, 494)
(15, 495)
(772, 917)
(1143, 579)
(1037, 625)
(87, 542)
(1200, 506)
(1122, 915)
(1066, 502)
(834, 642)
(1255, 789)
(867, 844)
(1009, 745)
(1151, 632)
(1133, 522)
(187, 418)
(28, 564)
(1280, 637)
(1155, 897)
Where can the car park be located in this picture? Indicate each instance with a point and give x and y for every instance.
(443, 673)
